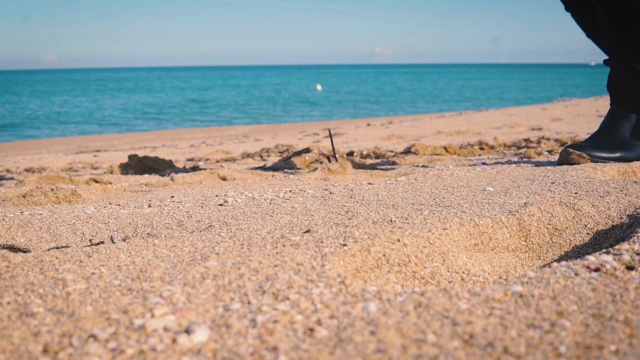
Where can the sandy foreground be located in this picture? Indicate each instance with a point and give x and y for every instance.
(445, 235)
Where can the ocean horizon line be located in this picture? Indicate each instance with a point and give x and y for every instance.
(592, 63)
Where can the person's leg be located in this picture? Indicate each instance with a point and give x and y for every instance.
(614, 26)
(585, 15)
(621, 41)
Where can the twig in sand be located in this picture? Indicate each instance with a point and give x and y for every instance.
(15, 248)
(335, 156)
(59, 247)
(94, 244)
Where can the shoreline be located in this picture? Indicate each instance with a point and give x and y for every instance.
(205, 132)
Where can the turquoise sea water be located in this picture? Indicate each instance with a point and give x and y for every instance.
(54, 103)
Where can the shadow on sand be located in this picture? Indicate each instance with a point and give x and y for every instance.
(605, 238)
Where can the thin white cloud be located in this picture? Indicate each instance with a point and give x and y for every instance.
(384, 51)
(290, 4)
(50, 58)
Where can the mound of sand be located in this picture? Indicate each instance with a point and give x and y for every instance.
(43, 195)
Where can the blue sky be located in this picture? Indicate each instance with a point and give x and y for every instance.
(115, 33)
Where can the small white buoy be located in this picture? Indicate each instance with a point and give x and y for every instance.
(318, 87)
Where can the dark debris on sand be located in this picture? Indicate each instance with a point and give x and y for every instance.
(311, 159)
(152, 165)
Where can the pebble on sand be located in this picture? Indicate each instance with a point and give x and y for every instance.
(198, 332)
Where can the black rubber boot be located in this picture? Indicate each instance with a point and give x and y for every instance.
(616, 140)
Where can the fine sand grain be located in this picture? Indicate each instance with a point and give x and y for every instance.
(444, 235)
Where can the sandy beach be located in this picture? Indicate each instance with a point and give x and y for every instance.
(441, 235)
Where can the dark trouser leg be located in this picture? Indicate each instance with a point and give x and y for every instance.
(614, 26)
(585, 15)
(621, 33)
